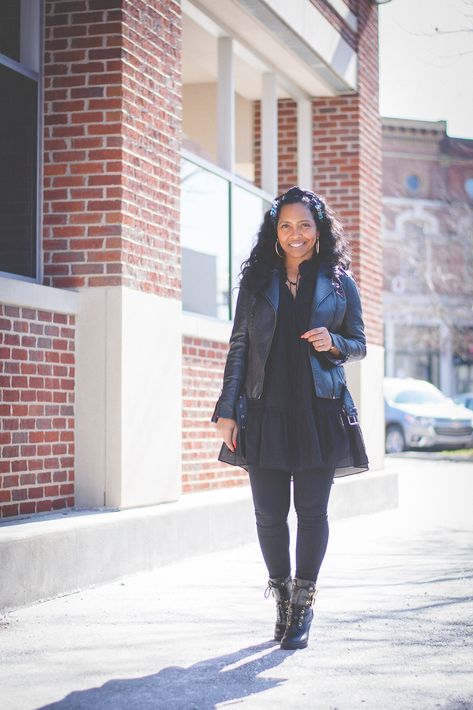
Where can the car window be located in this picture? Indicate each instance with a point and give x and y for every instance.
(420, 397)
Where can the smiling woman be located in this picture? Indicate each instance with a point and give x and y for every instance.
(297, 320)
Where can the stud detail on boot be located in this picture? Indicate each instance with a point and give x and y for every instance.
(300, 614)
(281, 589)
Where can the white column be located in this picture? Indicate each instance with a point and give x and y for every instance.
(128, 398)
(269, 134)
(390, 345)
(446, 360)
(304, 144)
(226, 105)
(365, 382)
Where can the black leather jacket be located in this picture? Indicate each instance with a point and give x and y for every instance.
(336, 305)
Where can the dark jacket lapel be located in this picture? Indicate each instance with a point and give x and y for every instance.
(323, 288)
(271, 292)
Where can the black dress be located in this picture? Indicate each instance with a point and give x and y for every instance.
(290, 428)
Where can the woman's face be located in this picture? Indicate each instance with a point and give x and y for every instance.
(297, 231)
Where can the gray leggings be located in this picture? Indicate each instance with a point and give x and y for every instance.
(271, 491)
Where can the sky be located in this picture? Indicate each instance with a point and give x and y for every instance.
(426, 62)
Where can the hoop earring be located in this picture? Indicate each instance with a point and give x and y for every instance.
(281, 256)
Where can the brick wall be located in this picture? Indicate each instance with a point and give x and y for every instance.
(152, 98)
(111, 163)
(82, 143)
(37, 363)
(203, 362)
(287, 143)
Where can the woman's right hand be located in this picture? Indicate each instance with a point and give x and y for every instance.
(228, 430)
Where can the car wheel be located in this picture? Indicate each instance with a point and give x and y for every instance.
(395, 442)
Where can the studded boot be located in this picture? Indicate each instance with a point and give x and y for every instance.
(300, 614)
(281, 589)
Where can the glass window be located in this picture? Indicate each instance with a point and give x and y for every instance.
(10, 28)
(205, 230)
(469, 187)
(18, 173)
(248, 210)
(413, 183)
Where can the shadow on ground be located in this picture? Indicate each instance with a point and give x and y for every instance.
(199, 687)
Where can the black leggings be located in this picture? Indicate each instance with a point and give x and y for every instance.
(271, 491)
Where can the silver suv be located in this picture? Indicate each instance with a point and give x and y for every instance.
(418, 415)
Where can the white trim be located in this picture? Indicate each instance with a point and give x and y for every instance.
(300, 26)
(269, 133)
(44, 298)
(345, 13)
(217, 27)
(221, 172)
(226, 104)
(413, 202)
(30, 43)
(40, 151)
(16, 66)
(198, 326)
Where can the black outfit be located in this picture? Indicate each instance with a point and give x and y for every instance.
(271, 490)
(292, 433)
(290, 428)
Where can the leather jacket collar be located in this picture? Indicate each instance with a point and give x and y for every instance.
(324, 287)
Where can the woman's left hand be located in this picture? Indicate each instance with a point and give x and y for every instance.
(319, 337)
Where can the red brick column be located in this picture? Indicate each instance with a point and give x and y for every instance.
(82, 143)
(111, 163)
(152, 98)
(287, 143)
(347, 167)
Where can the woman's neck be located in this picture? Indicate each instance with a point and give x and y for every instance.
(292, 267)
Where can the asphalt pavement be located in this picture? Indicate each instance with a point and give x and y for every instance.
(393, 623)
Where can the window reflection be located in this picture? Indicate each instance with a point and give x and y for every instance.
(212, 252)
(205, 241)
(248, 210)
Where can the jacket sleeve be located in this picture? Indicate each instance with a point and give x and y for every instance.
(350, 339)
(237, 357)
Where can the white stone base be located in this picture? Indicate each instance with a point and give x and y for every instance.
(365, 382)
(128, 398)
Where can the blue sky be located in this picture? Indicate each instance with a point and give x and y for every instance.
(424, 73)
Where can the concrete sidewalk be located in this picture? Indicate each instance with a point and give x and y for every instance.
(393, 624)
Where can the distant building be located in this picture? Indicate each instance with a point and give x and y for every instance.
(428, 253)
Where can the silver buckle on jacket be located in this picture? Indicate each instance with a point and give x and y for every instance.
(352, 419)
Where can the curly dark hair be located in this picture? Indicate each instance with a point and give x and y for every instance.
(256, 270)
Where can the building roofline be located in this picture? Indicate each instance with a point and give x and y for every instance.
(412, 124)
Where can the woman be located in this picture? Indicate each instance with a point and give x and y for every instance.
(298, 319)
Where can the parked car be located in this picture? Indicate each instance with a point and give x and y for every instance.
(418, 415)
(465, 399)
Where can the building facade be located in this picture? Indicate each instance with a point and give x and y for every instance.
(144, 141)
(428, 253)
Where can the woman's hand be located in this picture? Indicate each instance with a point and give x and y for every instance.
(321, 340)
(228, 430)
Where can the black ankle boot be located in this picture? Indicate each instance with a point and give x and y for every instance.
(281, 589)
(300, 614)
